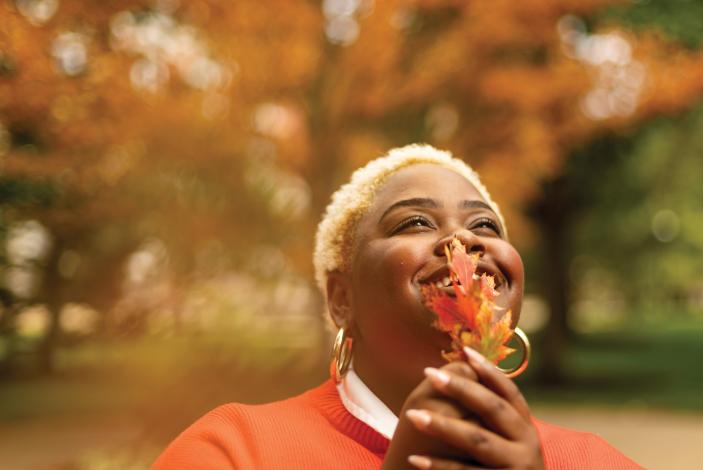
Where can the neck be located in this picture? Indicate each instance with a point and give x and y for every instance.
(391, 389)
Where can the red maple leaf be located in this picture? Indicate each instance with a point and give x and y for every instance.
(471, 318)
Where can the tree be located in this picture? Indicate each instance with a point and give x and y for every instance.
(88, 111)
(156, 114)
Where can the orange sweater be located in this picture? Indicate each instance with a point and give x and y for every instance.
(315, 431)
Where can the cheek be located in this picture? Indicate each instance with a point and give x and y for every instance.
(384, 290)
(390, 317)
(515, 267)
(516, 294)
(511, 263)
(384, 266)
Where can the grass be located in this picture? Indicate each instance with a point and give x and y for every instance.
(165, 383)
(650, 364)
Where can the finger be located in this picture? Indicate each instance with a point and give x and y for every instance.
(491, 377)
(426, 390)
(461, 368)
(424, 462)
(494, 410)
(481, 444)
(421, 392)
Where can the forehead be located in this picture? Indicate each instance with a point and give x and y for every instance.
(424, 180)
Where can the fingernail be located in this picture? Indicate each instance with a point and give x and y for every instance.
(475, 355)
(439, 378)
(419, 418)
(419, 461)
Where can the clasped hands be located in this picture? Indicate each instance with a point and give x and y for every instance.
(465, 416)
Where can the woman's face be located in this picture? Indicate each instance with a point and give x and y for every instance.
(399, 247)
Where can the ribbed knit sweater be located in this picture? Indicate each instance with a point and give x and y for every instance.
(315, 431)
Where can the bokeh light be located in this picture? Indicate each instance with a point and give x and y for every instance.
(617, 77)
(37, 12)
(665, 225)
(70, 52)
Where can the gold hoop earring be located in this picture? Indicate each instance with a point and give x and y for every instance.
(341, 354)
(526, 351)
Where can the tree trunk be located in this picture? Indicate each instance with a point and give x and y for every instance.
(52, 298)
(7, 331)
(553, 217)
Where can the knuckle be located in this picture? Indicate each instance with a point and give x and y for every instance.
(511, 391)
(446, 408)
(457, 385)
(417, 399)
(531, 454)
(496, 406)
(462, 369)
(477, 440)
(425, 403)
(412, 400)
(480, 444)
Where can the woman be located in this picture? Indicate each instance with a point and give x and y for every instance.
(393, 402)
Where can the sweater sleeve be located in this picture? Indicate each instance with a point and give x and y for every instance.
(209, 443)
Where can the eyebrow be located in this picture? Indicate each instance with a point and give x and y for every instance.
(432, 204)
(412, 202)
(475, 204)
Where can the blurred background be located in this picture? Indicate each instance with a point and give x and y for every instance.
(164, 163)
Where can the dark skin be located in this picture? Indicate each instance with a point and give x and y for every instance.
(459, 415)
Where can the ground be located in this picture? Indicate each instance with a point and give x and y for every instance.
(663, 440)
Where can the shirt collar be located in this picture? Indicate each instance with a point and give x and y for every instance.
(364, 405)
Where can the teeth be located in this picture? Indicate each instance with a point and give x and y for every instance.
(446, 282)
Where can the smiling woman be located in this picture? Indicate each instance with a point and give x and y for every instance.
(392, 401)
(399, 245)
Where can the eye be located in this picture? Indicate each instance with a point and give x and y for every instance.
(486, 223)
(412, 222)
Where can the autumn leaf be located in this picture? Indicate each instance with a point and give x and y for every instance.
(448, 312)
(471, 318)
(461, 265)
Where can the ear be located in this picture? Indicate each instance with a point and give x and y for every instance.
(339, 299)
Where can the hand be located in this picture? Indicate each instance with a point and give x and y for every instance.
(408, 440)
(505, 436)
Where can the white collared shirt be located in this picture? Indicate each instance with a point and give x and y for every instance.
(364, 405)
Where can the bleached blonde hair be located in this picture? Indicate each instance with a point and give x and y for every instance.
(336, 232)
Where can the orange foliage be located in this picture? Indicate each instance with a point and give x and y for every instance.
(503, 69)
(469, 315)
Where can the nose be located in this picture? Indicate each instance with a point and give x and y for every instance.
(466, 237)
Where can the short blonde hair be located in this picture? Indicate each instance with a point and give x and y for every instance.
(336, 232)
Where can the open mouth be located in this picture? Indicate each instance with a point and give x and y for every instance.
(446, 281)
(442, 279)
(445, 284)
(498, 278)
